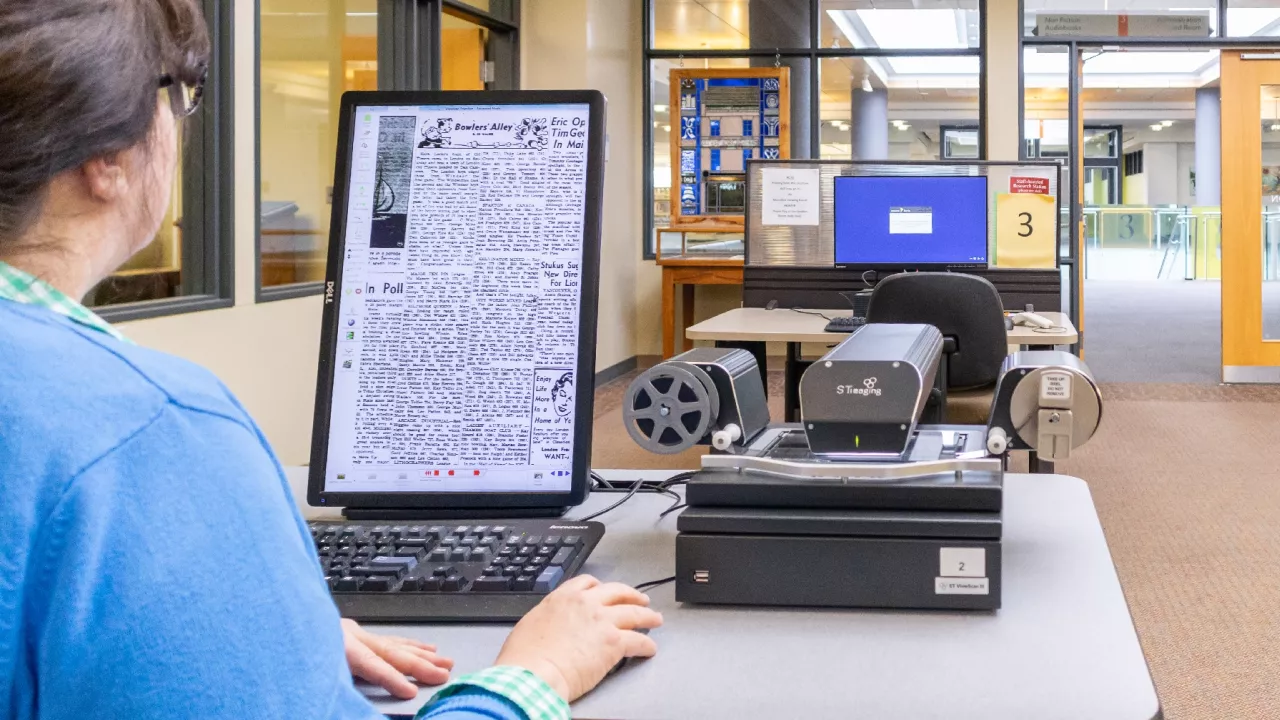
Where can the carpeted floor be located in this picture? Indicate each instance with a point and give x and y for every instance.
(1163, 331)
(1186, 484)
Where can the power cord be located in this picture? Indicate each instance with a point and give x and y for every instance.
(773, 305)
(655, 583)
(663, 488)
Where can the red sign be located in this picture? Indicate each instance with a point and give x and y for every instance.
(1030, 185)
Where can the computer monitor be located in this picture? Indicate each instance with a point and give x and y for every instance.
(910, 222)
(458, 344)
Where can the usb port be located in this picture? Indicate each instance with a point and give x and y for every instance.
(702, 576)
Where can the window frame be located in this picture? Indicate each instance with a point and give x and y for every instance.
(814, 53)
(208, 198)
(408, 59)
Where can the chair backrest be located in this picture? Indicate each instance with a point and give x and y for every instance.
(965, 308)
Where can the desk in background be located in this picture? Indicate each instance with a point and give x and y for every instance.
(688, 272)
(1064, 646)
(751, 327)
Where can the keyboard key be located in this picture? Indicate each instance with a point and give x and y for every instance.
(548, 580)
(440, 554)
(461, 530)
(459, 555)
(506, 551)
(413, 542)
(480, 555)
(491, 571)
(451, 584)
(366, 550)
(520, 559)
(415, 531)
(376, 570)
(532, 570)
(347, 583)
(572, 540)
(491, 583)
(511, 570)
(398, 530)
(411, 584)
(563, 556)
(437, 531)
(403, 563)
(528, 549)
(533, 539)
(470, 541)
(480, 529)
(377, 584)
(431, 584)
(546, 550)
(524, 583)
(440, 572)
(386, 550)
(500, 530)
(498, 561)
(553, 539)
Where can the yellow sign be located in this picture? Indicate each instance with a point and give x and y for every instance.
(1025, 231)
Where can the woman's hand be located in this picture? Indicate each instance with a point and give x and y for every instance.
(579, 632)
(385, 660)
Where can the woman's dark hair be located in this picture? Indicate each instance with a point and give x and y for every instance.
(78, 80)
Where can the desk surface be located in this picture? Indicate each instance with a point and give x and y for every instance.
(1064, 645)
(781, 325)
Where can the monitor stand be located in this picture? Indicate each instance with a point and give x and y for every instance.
(411, 514)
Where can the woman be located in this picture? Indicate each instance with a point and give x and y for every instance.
(151, 561)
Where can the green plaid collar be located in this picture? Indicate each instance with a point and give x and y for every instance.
(527, 691)
(28, 289)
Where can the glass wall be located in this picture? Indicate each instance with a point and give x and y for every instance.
(1253, 18)
(899, 82)
(312, 52)
(897, 108)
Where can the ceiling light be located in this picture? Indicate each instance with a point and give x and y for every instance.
(660, 108)
(1275, 127)
(1157, 127)
(866, 84)
(904, 126)
(1166, 123)
(666, 128)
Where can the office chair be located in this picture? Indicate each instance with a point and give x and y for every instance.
(967, 310)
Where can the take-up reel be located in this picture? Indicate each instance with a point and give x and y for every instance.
(704, 396)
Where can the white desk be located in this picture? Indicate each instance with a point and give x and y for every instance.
(1062, 648)
(751, 327)
(781, 325)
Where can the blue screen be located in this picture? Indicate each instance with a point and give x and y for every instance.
(910, 221)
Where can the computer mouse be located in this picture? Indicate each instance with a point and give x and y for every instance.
(626, 660)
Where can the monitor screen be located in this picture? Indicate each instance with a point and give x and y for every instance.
(457, 358)
(910, 221)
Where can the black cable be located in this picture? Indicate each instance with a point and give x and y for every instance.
(655, 583)
(663, 487)
(599, 480)
(672, 509)
(810, 312)
(634, 488)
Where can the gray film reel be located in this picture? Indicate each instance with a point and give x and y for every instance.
(671, 407)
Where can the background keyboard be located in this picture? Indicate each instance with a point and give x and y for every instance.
(845, 324)
(493, 571)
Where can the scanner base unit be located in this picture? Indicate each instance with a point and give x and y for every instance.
(776, 525)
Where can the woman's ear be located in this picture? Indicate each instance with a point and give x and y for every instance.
(105, 177)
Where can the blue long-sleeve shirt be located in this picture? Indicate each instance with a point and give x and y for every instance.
(152, 563)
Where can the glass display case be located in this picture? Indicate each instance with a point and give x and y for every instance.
(680, 244)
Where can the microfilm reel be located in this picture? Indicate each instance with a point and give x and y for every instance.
(671, 407)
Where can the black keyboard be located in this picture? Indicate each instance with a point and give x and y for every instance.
(845, 324)
(484, 571)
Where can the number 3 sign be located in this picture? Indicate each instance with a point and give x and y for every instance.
(1025, 230)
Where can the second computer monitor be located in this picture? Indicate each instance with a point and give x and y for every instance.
(911, 222)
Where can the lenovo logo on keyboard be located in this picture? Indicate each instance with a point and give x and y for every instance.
(570, 527)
